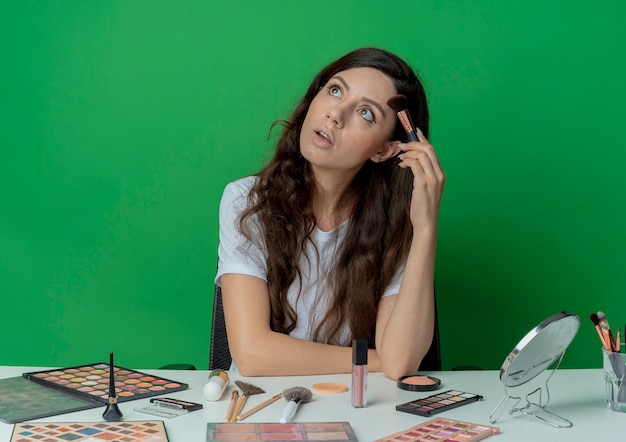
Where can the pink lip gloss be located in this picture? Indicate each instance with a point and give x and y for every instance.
(359, 373)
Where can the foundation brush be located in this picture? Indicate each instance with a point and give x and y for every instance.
(399, 104)
(294, 397)
(246, 390)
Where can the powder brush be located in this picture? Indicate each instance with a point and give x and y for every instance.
(399, 104)
(606, 331)
(294, 397)
(596, 323)
(246, 390)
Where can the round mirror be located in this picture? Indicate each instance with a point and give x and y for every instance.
(539, 349)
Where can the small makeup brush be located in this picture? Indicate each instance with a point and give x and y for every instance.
(399, 104)
(258, 407)
(246, 390)
(112, 412)
(231, 406)
(606, 330)
(294, 397)
(596, 323)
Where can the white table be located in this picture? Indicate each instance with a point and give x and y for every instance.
(577, 395)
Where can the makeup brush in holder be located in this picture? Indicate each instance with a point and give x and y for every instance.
(112, 412)
(294, 397)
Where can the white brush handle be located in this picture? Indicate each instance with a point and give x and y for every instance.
(288, 412)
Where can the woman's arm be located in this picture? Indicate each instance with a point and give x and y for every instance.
(258, 351)
(405, 323)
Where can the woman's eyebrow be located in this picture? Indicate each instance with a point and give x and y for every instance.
(375, 104)
(342, 81)
(367, 100)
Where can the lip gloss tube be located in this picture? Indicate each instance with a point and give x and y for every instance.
(359, 373)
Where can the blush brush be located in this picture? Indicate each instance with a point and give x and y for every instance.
(399, 104)
(294, 397)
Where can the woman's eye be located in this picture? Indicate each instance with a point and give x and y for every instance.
(367, 114)
(334, 91)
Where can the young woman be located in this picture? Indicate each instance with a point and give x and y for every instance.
(335, 238)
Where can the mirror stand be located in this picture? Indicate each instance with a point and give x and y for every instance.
(534, 406)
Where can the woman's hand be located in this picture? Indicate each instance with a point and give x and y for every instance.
(428, 181)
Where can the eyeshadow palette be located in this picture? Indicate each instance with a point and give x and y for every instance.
(139, 431)
(271, 432)
(22, 400)
(437, 403)
(91, 382)
(442, 430)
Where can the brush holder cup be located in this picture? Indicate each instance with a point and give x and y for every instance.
(614, 365)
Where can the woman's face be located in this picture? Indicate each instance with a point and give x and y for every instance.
(349, 121)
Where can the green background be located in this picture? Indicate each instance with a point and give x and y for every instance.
(121, 122)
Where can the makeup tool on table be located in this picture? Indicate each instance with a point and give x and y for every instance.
(442, 430)
(359, 373)
(329, 388)
(537, 351)
(231, 406)
(246, 390)
(399, 104)
(438, 403)
(274, 432)
(294, 397)
(135, 431)
(168, 407)
(214, 389)
(112, 412)
(258, 407)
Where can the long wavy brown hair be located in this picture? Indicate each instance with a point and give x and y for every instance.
(379, 230)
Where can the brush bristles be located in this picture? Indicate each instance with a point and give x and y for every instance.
(298, 394)
(249, 389)
(397, 103)
(604, 323)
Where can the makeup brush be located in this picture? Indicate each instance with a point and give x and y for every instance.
(596, 323)
(231, 406)
(112, 412)
(256, 408)
(294, 397)
(606, 330)
(246, 390)
(399, 104)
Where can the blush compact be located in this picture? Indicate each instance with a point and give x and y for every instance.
(416, 382)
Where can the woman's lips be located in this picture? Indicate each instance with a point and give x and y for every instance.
(322, 139)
